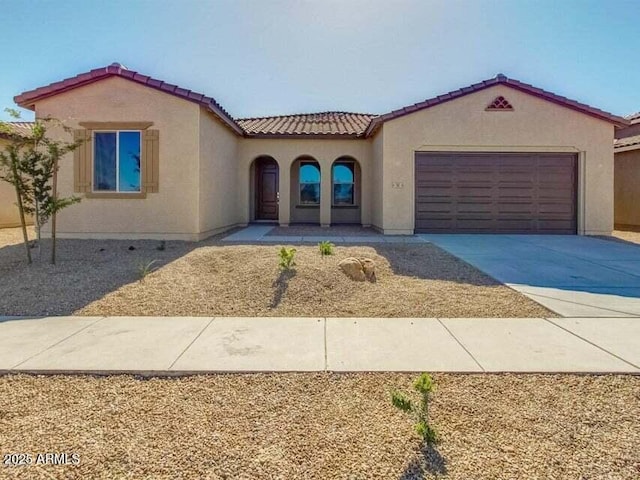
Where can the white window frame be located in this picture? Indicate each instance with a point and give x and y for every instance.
(93, 162)
(333, 182)
(300, 183)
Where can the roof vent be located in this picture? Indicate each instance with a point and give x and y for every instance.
(500, 103)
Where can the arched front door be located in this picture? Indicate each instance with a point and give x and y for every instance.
(266, 189)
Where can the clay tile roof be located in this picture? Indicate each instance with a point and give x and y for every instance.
(627, 142)
(634, 118)
(314, 124)
(28, 99)
(17, 128)
(499, 79)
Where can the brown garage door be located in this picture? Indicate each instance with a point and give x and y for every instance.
(496, 193)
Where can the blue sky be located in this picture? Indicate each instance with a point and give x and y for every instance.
(264, 57)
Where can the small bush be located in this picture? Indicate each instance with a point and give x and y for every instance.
(326, 248)
(145, 269)
(420, 411)
(286, 258)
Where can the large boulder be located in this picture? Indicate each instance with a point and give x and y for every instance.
(359, 269)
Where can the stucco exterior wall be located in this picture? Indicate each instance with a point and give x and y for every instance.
(8, 211)
(627, 188)
(172, 213)
(218, 175)
(376, 181)
(9, 216)
(286, 151)
(533, 125)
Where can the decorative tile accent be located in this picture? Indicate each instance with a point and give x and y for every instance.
(500, 103)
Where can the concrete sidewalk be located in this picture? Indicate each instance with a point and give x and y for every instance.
(173, 346)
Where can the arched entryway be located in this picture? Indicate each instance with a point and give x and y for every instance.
(265, 189)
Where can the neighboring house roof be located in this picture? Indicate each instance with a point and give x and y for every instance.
(634, 118)
(322, 123)
(627, 142)
(312, 125)
(17, 128)
(498, 80)
(28, 99)
(628, 138)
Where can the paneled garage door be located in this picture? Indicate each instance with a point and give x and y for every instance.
(496, 193)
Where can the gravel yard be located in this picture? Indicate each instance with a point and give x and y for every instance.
(627, 235)
(209, 278)
(321, 426)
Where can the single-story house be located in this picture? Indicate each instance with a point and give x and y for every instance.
(627, 174)
(9, 216)
(160, 161)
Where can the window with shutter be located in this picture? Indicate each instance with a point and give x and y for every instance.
(116, 160)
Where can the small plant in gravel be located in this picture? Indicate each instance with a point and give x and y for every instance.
(419, 410)
(145, 268)
(286, 257)
(326, 248)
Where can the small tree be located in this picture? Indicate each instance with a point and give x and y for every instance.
(32, 162)
(419, 410)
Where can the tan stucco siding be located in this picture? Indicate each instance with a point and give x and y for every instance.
(627, 188)
(9, 216)
(172, 213)
(286, 151)
(533, 125)
(377, 181)
(8, 211)
(218, 176)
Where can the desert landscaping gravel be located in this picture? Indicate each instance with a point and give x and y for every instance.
(631, 236)
(322, 426)
(101, 277)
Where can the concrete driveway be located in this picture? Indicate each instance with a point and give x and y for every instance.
(574, 276)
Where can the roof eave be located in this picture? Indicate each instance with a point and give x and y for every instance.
(375, 123)
(307, 136)
(626, 148)
(30, 98)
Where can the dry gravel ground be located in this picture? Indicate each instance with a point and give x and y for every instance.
(209, 278)
(323, 426)
(627, 235)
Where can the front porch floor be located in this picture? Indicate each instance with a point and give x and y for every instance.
(315, 234)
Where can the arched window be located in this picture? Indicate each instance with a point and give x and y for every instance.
(343, 174)
(309, 183)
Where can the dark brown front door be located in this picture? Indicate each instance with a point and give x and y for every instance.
(460, 192)
(266, 189)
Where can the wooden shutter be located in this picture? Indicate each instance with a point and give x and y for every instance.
(82, 158)
(150, 160)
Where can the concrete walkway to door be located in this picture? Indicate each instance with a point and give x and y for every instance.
(185, 345)
(574, 276)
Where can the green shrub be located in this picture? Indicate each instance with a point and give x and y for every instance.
(326, 248)
(419, 410)
(145, 269)
(286, 258)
